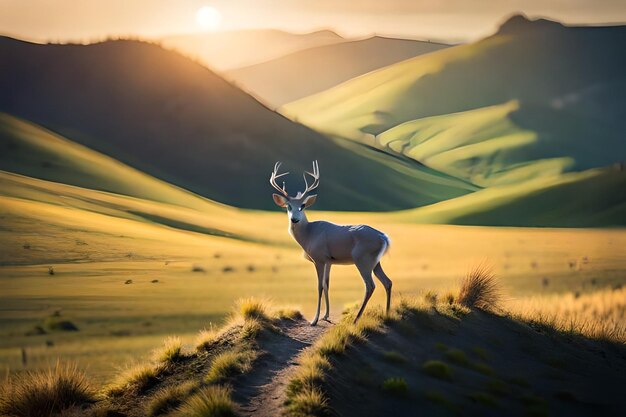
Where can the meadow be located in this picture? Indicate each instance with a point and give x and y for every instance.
(127, 284)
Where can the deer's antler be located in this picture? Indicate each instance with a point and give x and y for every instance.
(275, 176)
(316, 178)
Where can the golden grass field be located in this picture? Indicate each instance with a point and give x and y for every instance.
(93, 255)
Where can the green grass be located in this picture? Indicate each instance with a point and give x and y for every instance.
(437, 369)
(483, 368)
(394, 357)
(396, 387)
(456, 356)
(484, 399)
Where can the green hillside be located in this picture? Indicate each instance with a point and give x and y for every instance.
(536, 98)
(173, 119)
(312, 70)
(593, 198)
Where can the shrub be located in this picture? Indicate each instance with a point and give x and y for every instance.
(228, 364)
(396, 386)
(169, 398)
(437, 369)
(213, 401)
(480, 289)
(45, 393)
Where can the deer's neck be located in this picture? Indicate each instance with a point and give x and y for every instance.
(299, 231)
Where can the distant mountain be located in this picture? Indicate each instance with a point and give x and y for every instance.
(167, 116)
(535, 99)
(312, 70)
(233, 49)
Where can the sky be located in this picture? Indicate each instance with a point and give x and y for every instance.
(462, 20)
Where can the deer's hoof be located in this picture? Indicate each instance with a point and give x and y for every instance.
(314, 323)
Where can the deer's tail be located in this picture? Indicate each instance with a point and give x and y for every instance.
(386, 245)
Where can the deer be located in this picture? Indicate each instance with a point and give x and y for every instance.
(326, 244)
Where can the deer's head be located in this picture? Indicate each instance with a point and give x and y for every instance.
(295, 205)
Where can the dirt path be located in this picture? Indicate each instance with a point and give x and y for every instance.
(261, 393)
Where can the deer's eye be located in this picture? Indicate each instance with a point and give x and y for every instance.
(301, 207)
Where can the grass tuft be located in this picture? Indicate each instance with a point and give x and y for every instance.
(253, 308)
(288, 314)
(457, 356)
(212, 401)
(206, 338)
(230, 363)
(437, 369)
(396, 386)
(170, 398)
(394, 356)
(310, 402)
(480, 289)
(45, 393)
(171, 352)
(139, 377)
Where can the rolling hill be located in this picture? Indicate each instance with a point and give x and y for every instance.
(312, 70)
(171, 118)
(535, 99)
(233, 49)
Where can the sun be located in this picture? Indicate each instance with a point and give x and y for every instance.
(208, 18)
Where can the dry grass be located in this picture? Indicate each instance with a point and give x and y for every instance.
(45, 393)
(207, 337)
(599, 315)
(212, 401)
(480, 289)
(137, 377)
(169, 398)
(230, 363)
(253, 308)
(309, 402)
(170, 352)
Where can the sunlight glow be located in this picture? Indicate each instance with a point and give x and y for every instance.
(208, 18)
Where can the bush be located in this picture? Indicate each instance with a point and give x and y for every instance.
(45, 393)
(396, 386)
(437, 369)
(480, 289)
(213, 401)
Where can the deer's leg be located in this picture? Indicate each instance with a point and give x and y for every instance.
(384, 279)
(365, 267)
(319, 267)
(326, 287)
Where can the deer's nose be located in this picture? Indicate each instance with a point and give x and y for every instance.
(294, 220)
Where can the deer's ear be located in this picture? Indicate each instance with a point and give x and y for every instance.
(310, 200)
(280, 200)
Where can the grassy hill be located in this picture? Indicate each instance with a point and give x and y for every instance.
(237, 48)
(439, 357)
(172, 118)
(536, 98)
(312, 70)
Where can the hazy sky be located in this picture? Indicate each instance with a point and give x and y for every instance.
(62, 20)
